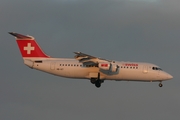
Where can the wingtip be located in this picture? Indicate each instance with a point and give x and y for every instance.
(77, 52)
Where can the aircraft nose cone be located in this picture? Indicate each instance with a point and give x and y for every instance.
(166, 76)
(169, 76)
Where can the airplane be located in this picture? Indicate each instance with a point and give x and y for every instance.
(84, 66)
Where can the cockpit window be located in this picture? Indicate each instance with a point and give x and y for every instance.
(156, 68)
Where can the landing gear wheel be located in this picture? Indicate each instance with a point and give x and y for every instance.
(93, 81)
(98, 84)
(160, 84)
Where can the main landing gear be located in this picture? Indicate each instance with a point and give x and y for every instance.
(160, 84)
(97, 81)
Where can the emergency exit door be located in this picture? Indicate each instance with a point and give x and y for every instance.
(145, 69)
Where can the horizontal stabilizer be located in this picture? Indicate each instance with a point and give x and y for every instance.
(19, 36)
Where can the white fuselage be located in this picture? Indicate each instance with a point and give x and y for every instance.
(127, 71)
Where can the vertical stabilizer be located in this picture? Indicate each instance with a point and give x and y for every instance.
(28, 46)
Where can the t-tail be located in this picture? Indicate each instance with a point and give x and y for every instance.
(29, 48)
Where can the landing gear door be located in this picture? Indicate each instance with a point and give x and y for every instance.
(145, 69)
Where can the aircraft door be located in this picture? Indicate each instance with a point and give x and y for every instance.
(145, 69)
(52, 65)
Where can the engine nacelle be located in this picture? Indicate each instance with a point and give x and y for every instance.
(114, 67)
(108, 67)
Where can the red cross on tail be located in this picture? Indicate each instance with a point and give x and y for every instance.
(28, 46)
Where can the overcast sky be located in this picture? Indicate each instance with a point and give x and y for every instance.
(123, 30)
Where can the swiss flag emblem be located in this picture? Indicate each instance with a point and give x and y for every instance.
(29, 48)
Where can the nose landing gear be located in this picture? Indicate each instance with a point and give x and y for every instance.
(160, 84)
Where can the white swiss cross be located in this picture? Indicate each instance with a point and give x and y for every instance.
(28, 48)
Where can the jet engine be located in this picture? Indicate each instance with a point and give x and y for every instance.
(108, 67)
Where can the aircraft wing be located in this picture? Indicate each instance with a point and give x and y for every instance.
(88, 59)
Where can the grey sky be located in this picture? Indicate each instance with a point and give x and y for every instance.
(124, 30)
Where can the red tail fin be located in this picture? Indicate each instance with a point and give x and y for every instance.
(28, 46)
